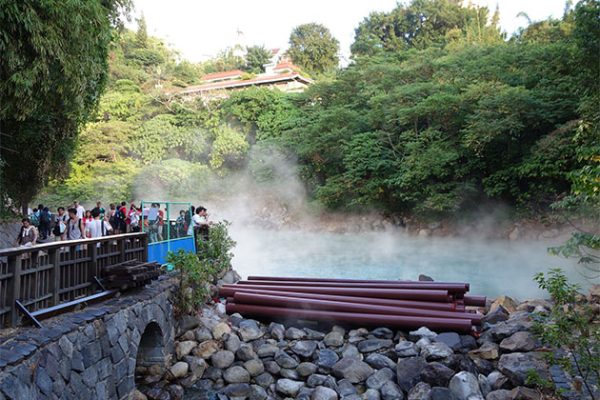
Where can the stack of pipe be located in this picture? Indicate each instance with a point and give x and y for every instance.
(398, 304)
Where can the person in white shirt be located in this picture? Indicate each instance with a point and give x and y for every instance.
(97, 227)
(200, 223)
(79, 208)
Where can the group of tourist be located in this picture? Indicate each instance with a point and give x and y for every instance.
(76, 222)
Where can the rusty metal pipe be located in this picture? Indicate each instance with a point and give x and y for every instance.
(478, 301)
(402, 294)
(427, 305)
(315, 304)
(395, 321)
(339, 280)
(454, 288)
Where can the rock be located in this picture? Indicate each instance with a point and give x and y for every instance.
(420, 392)
(179, 369)
(267, 350)
(197, 366)
(467, 342)
(294, 333)
(277, 331)
(327, 358)
(352, 369)
(136, 395)
(272, 367)
(507, 328)
(220, 329)
(441, 393)
(379, 361)
(515, 234)
(451, 339)
(249, 330)
(175, 391)
(284, 360)
(425, 278)
(516, 366)
(345, 388)
(436, 351)
(317, 380)
(484, 385)
(206, 349)
(422, 332)
(334, 339)
(508, 303)
(222, 359)
(231, 277)
(370, 345)
(594, 294)
(236, 374)
(424, 233)
(408, 372)
(313, 335)
(501, 394)
(488, 351)
(536, 305)
(380, 377)
(382, 333)
(306, 368)
(323, 393)
(213, 373)
(265, 379)
(391, 391)
(406, 349)
(232, 342)
(245, 352)
(184, 348)
(460, 362)
(304, 348)
(202, 333)
(187, 323)
(519, 341)
(436, 374)
(254, 367)
(288, 387)
(371, 394)
(237, 390)
(498, 315)
(497, 380)
(484, 366)
(349, 350)
(465, 386)
(524, 393)
(289, 373)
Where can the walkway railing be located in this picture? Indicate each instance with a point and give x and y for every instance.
(49, 274)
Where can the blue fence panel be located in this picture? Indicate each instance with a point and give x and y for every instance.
(158, 251)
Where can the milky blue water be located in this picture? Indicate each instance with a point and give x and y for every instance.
(493, 267)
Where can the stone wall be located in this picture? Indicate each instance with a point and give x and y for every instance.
(91, 354)
(8, 234)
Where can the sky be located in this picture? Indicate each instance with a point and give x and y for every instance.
(200, 29)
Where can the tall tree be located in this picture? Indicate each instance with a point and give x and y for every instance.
(313, 48)
(256, 58)
(53, 70)
(141, 36)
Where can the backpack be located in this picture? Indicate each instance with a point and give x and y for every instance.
(34, 219)
(45, 217)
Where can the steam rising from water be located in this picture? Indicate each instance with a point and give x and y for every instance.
(268, 206)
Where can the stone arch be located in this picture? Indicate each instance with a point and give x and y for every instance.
(152, 353)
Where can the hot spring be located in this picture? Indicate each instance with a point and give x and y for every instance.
(493, 267)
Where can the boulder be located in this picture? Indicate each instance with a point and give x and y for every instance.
(306, 369)
(524, 393)
(451, 339)
(182, 349)
(352, 369)
(379, 361)
(498, 315)
(313, 335)
(334, 339)
(284, 360)
(371, 345)
(516, 366)
(391, 391)
(508, 303)
(382, 333)
(254, 367)
(264, 380)
(420, 391)
(267, 350)
(371, 394)
(294, 333)
(220, 329)
(288, 387)
(250, 330)
(519, 341)
(346, 388)
(408, 372)
(422, 332)
(236, 374)
(258, 393)
(323, 393)
(350, 350)
(206, 349)
(488, 351)
(237, 390)
(222, 359)
(497, 380)
(305, 348)
(406, 349)
(441, 393)
(197, 366)
(245, 352)
(436, 374)
(435, 351)
(179, 369)
(327, 358)
(460, 362)
(380, 377)
(425, 278)
(501, 394)
(484, 385)
(232, 342)
(465, 386)
(277, 331)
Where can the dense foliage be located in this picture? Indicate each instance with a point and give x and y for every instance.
(427, 122)
(313, 47)
(53, 71)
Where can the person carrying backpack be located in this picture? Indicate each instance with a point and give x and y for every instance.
(45, 222)
(60, 224)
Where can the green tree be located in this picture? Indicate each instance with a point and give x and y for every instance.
(141, 36)
(256, 58)
(53, 71)
(313, 48)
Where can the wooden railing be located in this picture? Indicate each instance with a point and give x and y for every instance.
(49, 274)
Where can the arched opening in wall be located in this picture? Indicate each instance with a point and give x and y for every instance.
(151, 359)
